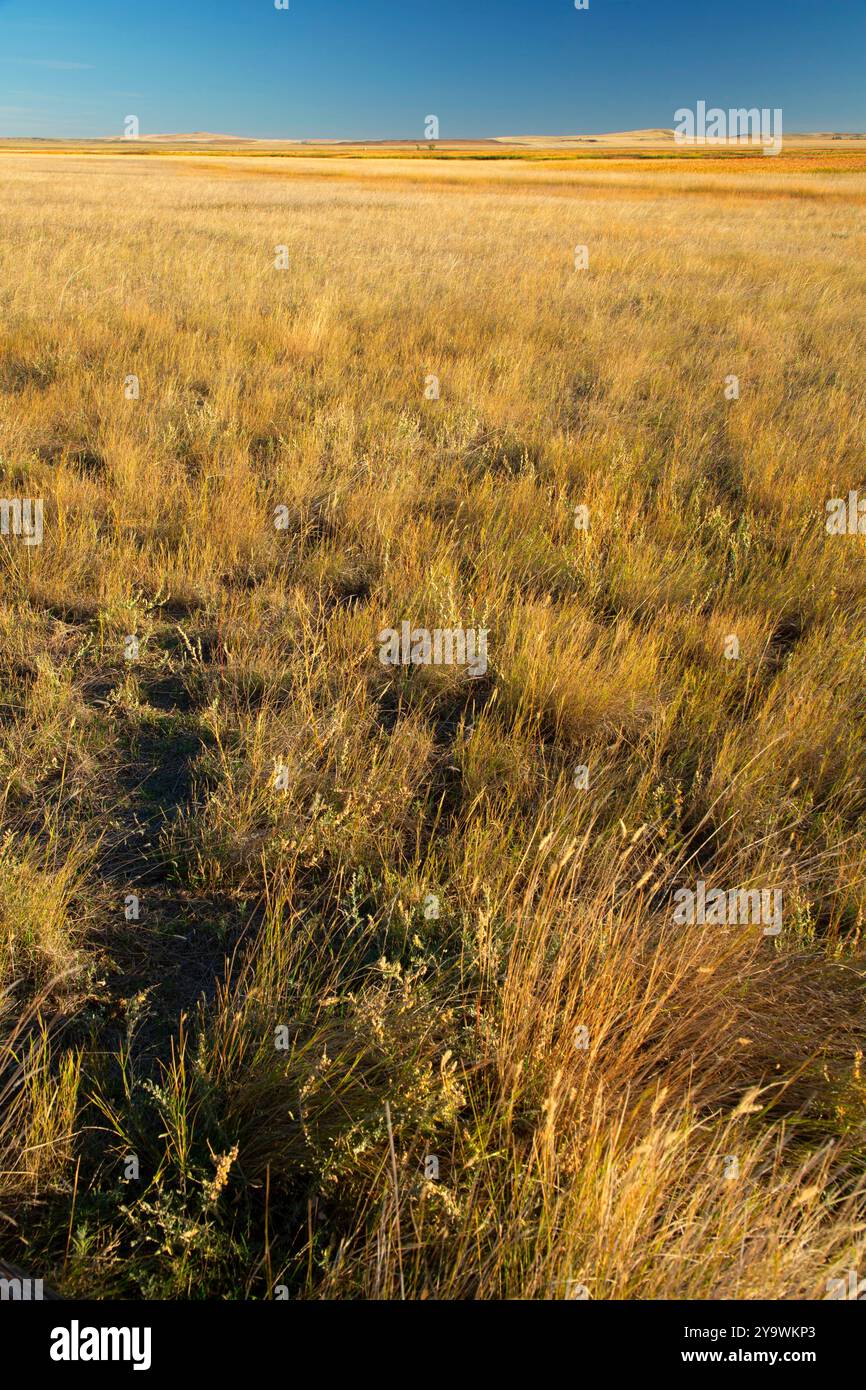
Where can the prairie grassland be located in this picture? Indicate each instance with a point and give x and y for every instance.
(462, 954)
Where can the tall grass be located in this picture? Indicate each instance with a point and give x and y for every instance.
(286, 1033)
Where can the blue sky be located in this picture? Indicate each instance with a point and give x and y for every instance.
(373, 69)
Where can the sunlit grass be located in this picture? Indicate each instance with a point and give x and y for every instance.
(145, 768)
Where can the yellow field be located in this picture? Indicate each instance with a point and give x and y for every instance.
(382, 917)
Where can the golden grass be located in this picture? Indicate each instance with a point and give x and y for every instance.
(409, 1034)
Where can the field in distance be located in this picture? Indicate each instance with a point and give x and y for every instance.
(326, 975)
(651, 142)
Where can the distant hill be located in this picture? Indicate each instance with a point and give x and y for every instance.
(654, 138)
(611, 137)
(658, 136)
(201, 137)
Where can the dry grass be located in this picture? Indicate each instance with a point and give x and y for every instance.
(409, 1034)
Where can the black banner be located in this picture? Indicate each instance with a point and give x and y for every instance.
(64, 1339)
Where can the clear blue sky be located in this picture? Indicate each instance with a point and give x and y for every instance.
(373, 69)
